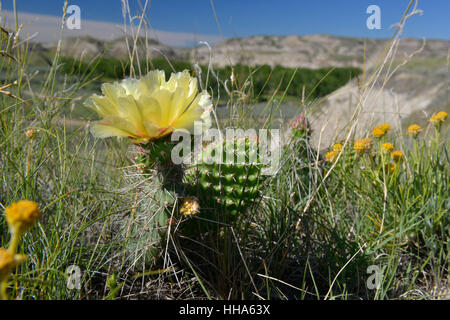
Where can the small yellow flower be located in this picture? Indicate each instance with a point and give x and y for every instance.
(337, 147)
(397, 155)
(331, 156)
(359, 145)
(378, 132)
(363, 145)
(438, 118)
(189, 206)
(381, 130)
(389, 167)
(8, 262)
(368, 143)
(442, 115)
(385, 127)
(414, 130)
(22, 215)
(435, 120)
(387, 147)
(30, 133)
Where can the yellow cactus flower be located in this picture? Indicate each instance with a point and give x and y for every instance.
(397, 155)
(337, 147)
(331, 156)
(22, 215)
(8, 262)
(151, 107)
(387, 147)
(378, 132)
(438, 118)
(189, 206)
(414, 130)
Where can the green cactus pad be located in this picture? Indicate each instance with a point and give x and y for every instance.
(229, 188)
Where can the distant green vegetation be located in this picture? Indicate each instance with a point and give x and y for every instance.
(258, 82)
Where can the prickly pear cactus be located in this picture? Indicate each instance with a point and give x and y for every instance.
(155, 158)
(220, 188)
(227, 179)
(232, 186)
(157, 186)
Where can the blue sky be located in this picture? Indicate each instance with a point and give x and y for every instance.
(264, 17)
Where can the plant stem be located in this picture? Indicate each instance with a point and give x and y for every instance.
(14, 242)
(3, 293)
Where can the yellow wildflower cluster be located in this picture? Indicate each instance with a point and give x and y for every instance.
(363, 145)
(378, 133)
(387, 147)
(331, 156)
(393, 158)
(337, 147)
(395, 155)
(438, 118)
(385, 126)
(381, 130)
